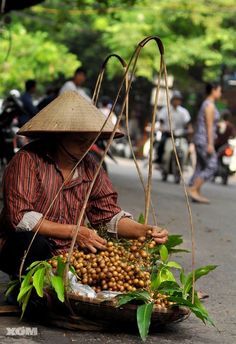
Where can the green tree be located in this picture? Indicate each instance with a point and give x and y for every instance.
(32, 55)
(198, 36)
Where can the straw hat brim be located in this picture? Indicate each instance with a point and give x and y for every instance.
(69, 113)
(38, 134)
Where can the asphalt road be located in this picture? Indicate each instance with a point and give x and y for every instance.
(215, 244)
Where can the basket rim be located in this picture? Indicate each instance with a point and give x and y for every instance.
(110, 302)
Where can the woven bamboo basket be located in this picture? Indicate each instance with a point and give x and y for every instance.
(94, 314)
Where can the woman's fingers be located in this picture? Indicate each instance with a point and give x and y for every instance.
(161, 240)
(91, 248)
(159, 233)
(100, 240)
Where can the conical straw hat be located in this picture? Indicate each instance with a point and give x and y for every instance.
(70, 112)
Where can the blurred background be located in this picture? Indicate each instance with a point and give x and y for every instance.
(47, 40)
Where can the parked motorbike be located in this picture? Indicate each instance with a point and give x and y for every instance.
(120, 147)
(169, 163)
(12, 108)
(226, 161)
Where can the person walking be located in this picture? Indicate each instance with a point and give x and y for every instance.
(204, 138)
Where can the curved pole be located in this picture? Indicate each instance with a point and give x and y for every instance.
(134, 57)
(95, 99)
(101, 75)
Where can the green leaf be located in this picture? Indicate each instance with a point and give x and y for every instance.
(182, 277)
(72, 269)
(200, 306)
(174, 265)
(137, 295)
(169, 287)
(144, 314)
(199, 311)
(163, 253)
(25, 302)
(174, 240)
(58, 285)
(60, 267)
(34, 264)
(141, 219)
(23, 291)
(202, 271)
(38, 281)
(155, 280)
(11, 286)
(162, 276)
(166, 275)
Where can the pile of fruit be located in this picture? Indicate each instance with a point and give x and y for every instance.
(123, 267)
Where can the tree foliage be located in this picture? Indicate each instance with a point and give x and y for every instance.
(198, 36)
(32, 55)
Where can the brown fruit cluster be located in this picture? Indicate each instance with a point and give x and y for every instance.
(161, 302)
(116, 269)
(123, 267)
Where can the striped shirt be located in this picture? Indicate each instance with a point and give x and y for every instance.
(30, 183)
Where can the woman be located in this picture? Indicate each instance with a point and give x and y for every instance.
(67, 127)
(204, 138)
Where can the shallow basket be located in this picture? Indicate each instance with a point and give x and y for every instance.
(94, 314)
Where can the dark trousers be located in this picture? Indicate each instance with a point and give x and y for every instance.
(14, 248)
(161, 146)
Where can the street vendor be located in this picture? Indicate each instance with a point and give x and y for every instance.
(61, 132)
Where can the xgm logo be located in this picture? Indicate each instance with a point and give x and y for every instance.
(22, 331)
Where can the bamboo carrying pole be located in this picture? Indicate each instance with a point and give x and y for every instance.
(95, 99)
(132, 62)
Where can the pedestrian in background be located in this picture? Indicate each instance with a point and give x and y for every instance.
(204, 139)
(181, 122)
(29, 109)
(76, 83)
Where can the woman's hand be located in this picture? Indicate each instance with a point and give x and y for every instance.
(210, 149)
(160, 235)
(88, 238)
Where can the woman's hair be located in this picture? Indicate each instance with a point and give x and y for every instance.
(210, 86)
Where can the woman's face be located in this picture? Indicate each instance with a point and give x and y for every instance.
(79, 142)
(217, 92)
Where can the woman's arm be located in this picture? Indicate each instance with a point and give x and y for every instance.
(128, 228)
(86, 237)
(209, 115)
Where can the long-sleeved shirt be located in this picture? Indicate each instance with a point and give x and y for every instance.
(30, 183)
